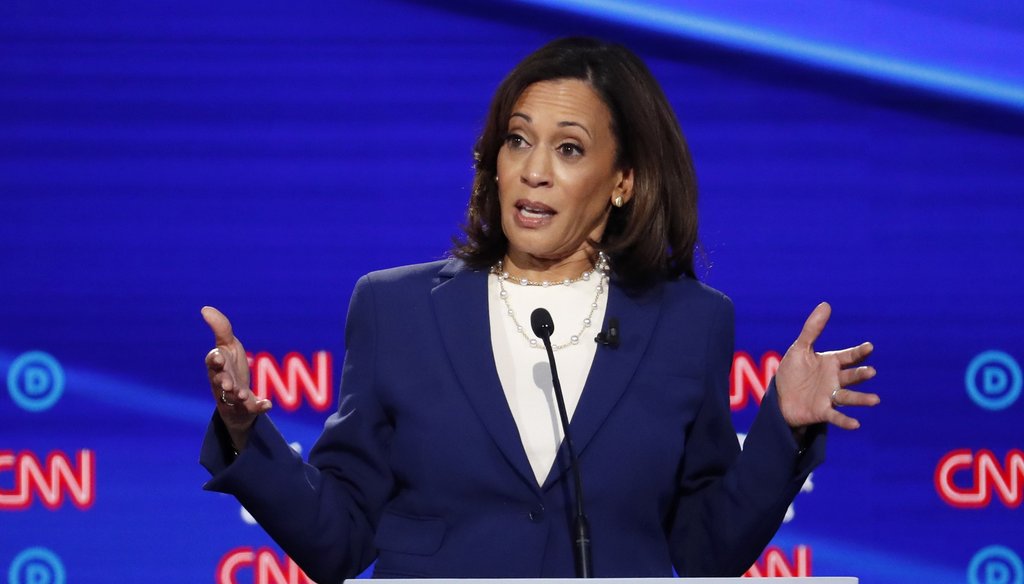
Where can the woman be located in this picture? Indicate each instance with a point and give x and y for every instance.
(444, 458)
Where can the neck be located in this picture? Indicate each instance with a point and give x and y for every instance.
(553, 270)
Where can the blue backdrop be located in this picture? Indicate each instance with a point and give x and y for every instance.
(260, 157)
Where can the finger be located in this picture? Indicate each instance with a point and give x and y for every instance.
(230, 397)
(223, 382)
(841, 420)
(814, 324)
(846, 397)
(219, 324)
(854, 355)
(848, 377)
(253, 406)
(215, 360)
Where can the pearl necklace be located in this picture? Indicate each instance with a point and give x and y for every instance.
(600, 268)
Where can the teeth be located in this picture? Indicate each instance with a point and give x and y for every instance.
(532, 213)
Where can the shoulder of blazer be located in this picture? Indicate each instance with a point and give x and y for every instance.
(691, 289)
(410, 285)
(436, 272)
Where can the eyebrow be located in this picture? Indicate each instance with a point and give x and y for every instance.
(560, 124)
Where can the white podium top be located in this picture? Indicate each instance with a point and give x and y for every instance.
(823, 580)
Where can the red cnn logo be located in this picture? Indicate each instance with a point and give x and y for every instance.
(750, 379)
(263, 565)
(987, 475)
(294, 375)
(48, 481)
(775, 564)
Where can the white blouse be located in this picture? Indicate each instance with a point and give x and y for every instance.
(524, 370)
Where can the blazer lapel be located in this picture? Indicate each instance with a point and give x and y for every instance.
(460, 305)
(612, 369)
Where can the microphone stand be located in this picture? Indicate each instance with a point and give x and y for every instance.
(543, 327)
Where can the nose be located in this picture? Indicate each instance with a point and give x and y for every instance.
(536, 170)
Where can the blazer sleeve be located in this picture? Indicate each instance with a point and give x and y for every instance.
(323, 514)
(729, 503)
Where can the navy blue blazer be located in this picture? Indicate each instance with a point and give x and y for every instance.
(422, 468)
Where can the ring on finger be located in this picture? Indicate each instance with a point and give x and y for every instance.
(223, 398)
(835, 398)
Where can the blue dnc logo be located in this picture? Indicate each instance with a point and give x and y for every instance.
(995, 565)
(993, 380)
(36, 566)
(35, 381)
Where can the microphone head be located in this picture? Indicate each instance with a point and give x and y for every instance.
(542, 324)
(613, 332)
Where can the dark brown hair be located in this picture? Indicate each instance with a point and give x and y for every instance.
(653, 235)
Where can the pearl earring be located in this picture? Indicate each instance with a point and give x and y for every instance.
(618, 202)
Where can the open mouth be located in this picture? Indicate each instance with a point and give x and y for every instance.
(533, 211)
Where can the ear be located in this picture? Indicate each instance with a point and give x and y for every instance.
(624, 185)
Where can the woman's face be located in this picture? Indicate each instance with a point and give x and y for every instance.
(557, 176)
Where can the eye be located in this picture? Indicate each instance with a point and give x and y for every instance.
(515, 141)
(570, 149)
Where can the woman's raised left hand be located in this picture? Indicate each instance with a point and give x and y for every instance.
(813, 386)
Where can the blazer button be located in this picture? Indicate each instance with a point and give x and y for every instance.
(537, 515)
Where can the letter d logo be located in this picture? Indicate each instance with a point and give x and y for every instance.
(993, 380)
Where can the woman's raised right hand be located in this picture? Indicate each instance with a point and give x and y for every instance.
(228, 369)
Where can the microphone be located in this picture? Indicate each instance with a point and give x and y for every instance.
(611, 337)
(544, 327)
